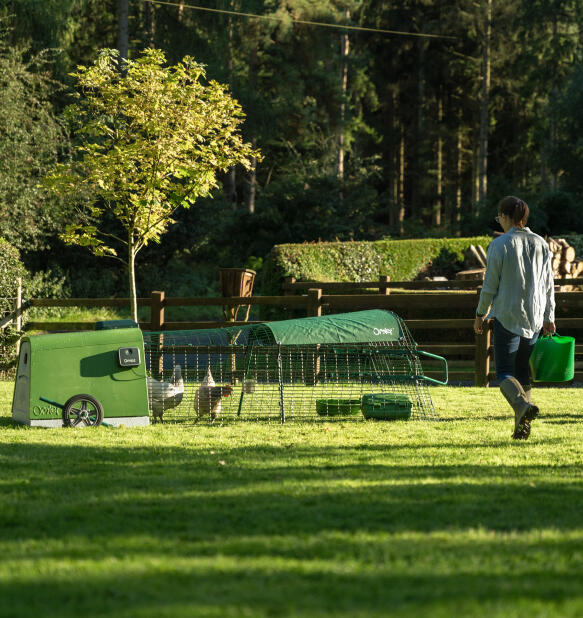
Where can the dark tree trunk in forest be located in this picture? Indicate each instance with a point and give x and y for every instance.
(252, 181)
(150, 8)
(253, 62)
(401, 202)
(419, 160)
(344, 50)
(485, 102)
(458, 190)
(123, 35)
(438, 205)
(230, 179)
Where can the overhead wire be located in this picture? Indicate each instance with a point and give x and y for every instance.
(300, 21)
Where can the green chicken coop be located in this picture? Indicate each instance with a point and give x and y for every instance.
(82, 378)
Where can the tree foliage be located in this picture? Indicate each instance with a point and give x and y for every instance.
(32, 140)
(150, 139)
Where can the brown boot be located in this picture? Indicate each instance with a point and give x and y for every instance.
(524, 411)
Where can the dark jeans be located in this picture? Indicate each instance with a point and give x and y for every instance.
(511, 354)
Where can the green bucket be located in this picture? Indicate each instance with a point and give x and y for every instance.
(338, 407)
(387, 406)
(553, 359)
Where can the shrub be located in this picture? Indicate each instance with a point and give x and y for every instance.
(11, 268)
(402, 260)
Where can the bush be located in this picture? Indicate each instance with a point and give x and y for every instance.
(10, 270)
(402, 260)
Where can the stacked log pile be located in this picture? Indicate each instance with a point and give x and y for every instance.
(474, 263)
(565, 263)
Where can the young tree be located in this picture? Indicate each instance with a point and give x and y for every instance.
(150, 139)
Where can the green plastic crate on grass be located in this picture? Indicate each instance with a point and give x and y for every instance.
(387, 406)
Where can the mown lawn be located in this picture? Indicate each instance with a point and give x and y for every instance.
(343, 519)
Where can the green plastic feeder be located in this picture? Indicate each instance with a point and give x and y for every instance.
(82, 378)
(553, 359)
(338, 407)
(387, 406)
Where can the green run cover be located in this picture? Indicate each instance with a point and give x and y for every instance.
(355, 327)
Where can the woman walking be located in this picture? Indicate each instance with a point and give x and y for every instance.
(518, 292)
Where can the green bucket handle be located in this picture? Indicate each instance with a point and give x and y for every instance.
(436, 357)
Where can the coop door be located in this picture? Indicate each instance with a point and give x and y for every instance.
(21, 401)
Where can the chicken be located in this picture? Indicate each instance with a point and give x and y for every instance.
(207, 399)
(165, 395)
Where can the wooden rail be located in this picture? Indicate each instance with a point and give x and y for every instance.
(384, 285)
(471, 355)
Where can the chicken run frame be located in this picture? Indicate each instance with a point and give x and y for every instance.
(342, 366)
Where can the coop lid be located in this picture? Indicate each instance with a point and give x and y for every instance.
(355, 327)
(85, 339)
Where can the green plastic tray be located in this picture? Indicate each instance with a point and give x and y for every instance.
(338, 407)
(387, 406)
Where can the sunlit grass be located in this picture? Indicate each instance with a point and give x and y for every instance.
(305, 519)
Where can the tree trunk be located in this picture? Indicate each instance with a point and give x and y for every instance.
(344, 49)
(401, 216)
(484, 102)
(230, 186)
(252, 181)
(230, 180)
(150, 24)
(458, 191)
(132, 278)
(394, 167)
(419, 160)
(436, 219)
(123, 36)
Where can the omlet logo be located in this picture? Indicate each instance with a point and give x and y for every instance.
(382, 331)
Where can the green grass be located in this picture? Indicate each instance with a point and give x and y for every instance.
(326, 519)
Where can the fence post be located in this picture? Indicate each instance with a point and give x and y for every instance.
(157, 311)
(314, 303)
(289, 281)
(18, 310)
(482, 359)
(383, 287)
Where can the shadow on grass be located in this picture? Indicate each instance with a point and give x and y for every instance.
(210, 520)
(257, 490)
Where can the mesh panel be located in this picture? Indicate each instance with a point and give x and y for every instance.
(237, 373)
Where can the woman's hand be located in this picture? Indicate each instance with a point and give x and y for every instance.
(479, 324)
(549, 328)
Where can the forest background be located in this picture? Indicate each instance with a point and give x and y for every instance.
(411, 122)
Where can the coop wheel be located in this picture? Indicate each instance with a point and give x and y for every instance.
(82, 410)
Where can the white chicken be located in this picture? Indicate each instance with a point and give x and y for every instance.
(165, 395)
(207, 399)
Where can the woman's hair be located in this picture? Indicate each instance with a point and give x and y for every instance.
(515, 208)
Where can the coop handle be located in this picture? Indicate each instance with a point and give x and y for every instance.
(436, 357)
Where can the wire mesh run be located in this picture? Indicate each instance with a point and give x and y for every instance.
(233, 374)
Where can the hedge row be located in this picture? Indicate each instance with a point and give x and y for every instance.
(402, 260)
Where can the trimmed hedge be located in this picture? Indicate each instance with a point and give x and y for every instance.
(402, 260)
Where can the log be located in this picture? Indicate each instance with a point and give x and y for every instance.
(475, 273)
(565, 267)
(576, 268)
(483, 253)
(568, 254)
(555, 263)
(474, 257)
(554, 246)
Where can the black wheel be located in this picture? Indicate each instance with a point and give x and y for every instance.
(82, 410)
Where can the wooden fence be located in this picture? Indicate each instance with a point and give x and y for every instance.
(425, 313)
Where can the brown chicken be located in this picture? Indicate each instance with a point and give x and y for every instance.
(207, 399)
